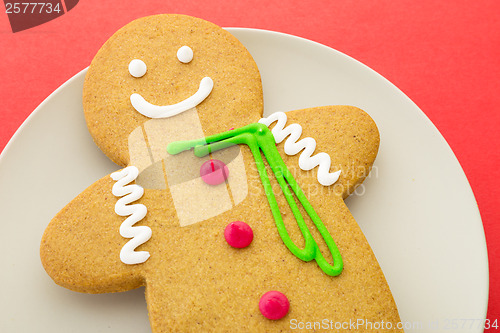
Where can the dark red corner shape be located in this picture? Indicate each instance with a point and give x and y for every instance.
(24, 14)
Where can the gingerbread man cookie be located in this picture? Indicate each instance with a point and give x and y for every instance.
(232, 221)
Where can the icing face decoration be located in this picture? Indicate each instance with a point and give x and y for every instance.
(137, 68)
(185, 54)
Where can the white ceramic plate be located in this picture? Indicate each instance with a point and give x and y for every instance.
(416, 209)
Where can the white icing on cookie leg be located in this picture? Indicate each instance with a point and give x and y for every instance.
(293, 146)
(135, 213)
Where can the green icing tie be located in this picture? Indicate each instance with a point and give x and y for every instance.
(259, 138)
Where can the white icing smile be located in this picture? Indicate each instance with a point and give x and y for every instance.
(164, 111)
(137, 68)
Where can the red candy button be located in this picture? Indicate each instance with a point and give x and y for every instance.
(238, 234)
(274, 305)
(214, 172)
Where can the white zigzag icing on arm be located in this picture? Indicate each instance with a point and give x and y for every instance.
(135, 213)
(293, 147)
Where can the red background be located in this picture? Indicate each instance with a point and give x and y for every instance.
(443, 55)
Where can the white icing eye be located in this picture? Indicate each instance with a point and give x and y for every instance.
(185, 54)
(137, 68)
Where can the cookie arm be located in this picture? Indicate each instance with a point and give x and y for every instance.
(346, 133)
(80, 248)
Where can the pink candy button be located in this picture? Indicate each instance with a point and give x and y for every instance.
(238, 234)
(214, 172)
(274, 305)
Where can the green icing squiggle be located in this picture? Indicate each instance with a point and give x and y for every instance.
(260, 139)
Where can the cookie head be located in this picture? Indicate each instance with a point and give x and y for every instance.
(162, 66)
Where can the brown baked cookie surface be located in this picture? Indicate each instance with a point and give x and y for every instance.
(157, 223)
